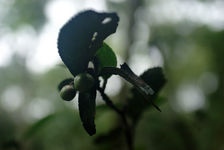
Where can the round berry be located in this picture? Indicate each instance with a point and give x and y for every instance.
(67, 92)
(83, 82)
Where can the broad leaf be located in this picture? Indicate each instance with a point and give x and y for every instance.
(82, 36)
(87, 106)
(155, 78)
(105, 57)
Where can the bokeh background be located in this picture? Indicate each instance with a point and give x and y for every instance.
(185, 37)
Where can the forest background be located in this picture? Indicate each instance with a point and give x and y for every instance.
(185, 37)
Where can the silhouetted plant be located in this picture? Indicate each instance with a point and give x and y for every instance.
(80, 42)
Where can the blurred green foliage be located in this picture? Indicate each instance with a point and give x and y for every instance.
(187, 57)
(25, 12)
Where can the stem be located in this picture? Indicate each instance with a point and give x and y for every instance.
(104, 84)
(128, 133)
(129, 76)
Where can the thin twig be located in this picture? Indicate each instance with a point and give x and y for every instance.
(104, 84)
(128, 132)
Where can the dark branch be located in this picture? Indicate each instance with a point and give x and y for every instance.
(129, 76)
(128, 132)
(104, 84)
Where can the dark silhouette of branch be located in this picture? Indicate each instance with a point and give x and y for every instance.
(129, 76)
(128, 132)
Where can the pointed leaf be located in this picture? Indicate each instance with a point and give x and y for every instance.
(82, 36)
(155, 78)
(87, 106)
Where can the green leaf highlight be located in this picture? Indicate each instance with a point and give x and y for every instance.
(105, 57)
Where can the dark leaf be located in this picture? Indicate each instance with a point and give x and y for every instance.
(87, 106)
(65, 82)
(136, 81)
(155, 78)
(137, 104)
(82, 36)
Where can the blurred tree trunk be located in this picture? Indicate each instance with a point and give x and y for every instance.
(132, 7)
(217, 100)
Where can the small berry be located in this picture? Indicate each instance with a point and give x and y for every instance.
(67, 92)
(83, 82)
